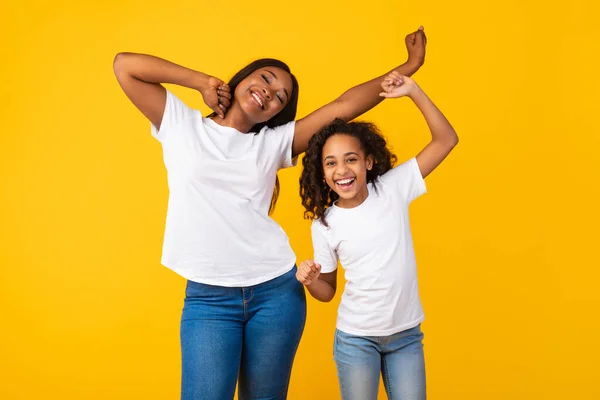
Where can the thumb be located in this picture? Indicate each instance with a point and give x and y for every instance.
(219, 111)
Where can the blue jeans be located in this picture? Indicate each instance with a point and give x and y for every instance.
(250, 333)
(399, 358)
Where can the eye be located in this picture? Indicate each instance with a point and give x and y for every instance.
(265, 78)
(280, 98)
(329, 163)
(351, 160)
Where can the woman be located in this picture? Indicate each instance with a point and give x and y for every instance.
(244, 310)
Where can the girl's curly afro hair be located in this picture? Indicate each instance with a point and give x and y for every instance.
(316, 194)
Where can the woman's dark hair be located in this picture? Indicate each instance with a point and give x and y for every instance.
(316, 194)
(283, 117)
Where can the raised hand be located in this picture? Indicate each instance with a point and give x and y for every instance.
(217, 95)
(415, 45)
(395, 85)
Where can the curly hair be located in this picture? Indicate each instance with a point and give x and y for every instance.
(316, 194)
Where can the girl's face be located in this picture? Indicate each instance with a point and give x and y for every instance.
(345, 168)
(264, 93)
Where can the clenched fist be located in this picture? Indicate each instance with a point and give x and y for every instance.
(308, 271)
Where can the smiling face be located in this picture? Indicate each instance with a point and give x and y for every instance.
(264, 93)
(345, 168)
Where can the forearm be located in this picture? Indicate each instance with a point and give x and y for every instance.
(153, 69)
(363, 97)
(441, 129)
(321, 290)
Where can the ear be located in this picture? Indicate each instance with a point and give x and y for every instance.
(369, 162)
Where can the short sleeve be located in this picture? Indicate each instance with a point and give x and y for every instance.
(407, 179)
(324, 254)
(279, 140)
(175, 112)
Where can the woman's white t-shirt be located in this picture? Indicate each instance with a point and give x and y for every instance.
(221, 181)
(374, 244)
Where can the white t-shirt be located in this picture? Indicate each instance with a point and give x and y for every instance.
(374, 245)
(221, 181)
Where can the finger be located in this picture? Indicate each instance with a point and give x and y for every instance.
(304, 267)
(224, 93)
(224, 101)
(220, 112)
(397, 78)
(383, 94)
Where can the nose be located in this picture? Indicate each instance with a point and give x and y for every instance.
(341, 169)
(267, 93)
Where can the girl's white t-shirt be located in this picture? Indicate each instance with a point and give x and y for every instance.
(221, 181)
(373, 243)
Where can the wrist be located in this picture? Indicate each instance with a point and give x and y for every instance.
(416, 93)
(200, 81)
(311, 283)
(413, 64)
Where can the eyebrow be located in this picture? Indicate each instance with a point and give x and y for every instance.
(275, 76)
(345, 155)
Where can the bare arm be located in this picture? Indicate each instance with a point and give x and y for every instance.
(321, 286)
(359, 99)
(443, 136)
(141, 75)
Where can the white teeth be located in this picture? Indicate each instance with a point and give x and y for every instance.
(344, 181)
(258, 99)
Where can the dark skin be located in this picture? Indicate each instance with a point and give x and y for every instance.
(141, 76)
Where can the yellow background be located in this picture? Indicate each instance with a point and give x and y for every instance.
(506, 239)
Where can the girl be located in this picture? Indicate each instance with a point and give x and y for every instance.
(359, 206)
(244, 311)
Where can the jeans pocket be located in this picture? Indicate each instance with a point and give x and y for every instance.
(194, 289)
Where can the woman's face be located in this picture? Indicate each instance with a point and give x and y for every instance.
(264, 93)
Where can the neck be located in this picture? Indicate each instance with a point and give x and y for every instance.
(355, 201)
(235, 118)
